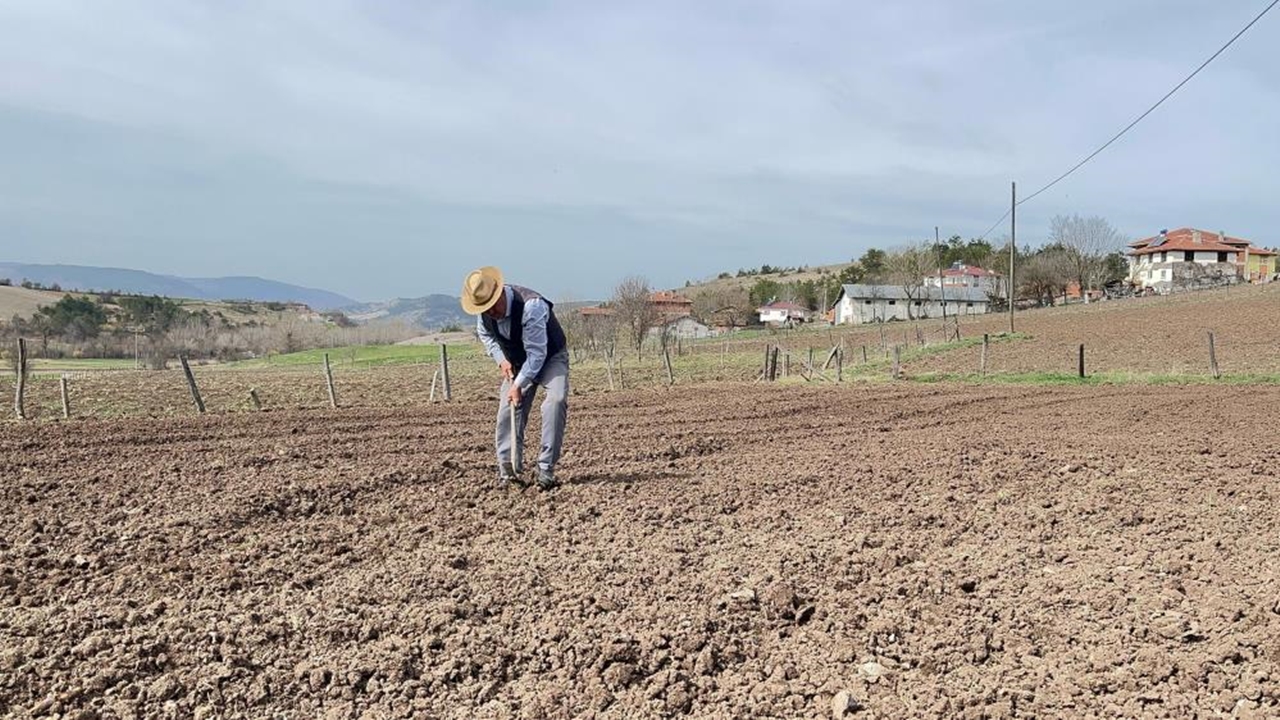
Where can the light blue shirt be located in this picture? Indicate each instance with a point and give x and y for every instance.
(533, 325)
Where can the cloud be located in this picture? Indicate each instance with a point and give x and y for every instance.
(667, 139)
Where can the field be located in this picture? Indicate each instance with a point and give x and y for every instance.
(1028, 545)
(962, 551)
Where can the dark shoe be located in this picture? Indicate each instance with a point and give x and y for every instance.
(507, 477)
(547, 480)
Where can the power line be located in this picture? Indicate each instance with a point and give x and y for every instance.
(995, 224)
(1139, 119)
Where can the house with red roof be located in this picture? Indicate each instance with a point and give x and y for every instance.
(781, 312)
(960, 276)
(1187, 257)
(670, 306)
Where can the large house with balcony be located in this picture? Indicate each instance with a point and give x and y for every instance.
(1187, 257)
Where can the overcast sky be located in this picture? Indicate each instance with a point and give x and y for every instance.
(383, 148)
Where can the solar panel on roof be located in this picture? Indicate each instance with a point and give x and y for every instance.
(1159, 241)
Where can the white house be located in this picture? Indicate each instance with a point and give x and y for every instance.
(778, 313)
(960, 275)
(1188, 257)
(881, 303)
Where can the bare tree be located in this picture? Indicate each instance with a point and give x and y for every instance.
(907, 269)
(723, 306)
(1086, 242)
(598, 330)
(633, 311)
(1045, 274)
(577, 334)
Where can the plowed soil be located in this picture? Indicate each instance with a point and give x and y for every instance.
(729, 551)
(1161, 335)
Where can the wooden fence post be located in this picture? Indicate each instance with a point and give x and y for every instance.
(444, 372)
(768, 353)
(22, 378)
(191, 383)
(810, 356)
(986, 343)
(835, 351)
(839, 365)
(608, 363)
(1213, 358)
(66, 398)
(884, 345)
(328, 377)
(773, 366)
(864, 354)
(666, 359)
(897, 361)
(1081, 362)
(253, 398)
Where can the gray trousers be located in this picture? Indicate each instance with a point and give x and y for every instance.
(554, 380)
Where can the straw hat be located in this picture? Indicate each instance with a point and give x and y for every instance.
(481, 289)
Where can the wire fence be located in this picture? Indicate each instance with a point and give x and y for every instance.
(1134, 340)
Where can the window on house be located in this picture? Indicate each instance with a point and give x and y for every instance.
(1188, 256)
(968, 304)
(1222, 257)
(866, 302)
(1164, 256)
(893, 302)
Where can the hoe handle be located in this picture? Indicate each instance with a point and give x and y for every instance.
(515, 441)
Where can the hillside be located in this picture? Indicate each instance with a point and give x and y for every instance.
(430, 313)
(23, 302)
(89, 278)
(813, 272)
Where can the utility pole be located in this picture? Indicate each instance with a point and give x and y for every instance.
(1013, 246)
(942, 286)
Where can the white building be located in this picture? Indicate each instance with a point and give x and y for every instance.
(779, 313)
(882, 303)
(960, 275)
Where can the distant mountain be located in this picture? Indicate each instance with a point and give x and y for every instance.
(430, 313)
(81, 277)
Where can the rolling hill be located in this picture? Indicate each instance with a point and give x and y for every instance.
(431, 312)
(88, 278)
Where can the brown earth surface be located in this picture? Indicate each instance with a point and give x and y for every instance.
(728, 551)
(1155, 335)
